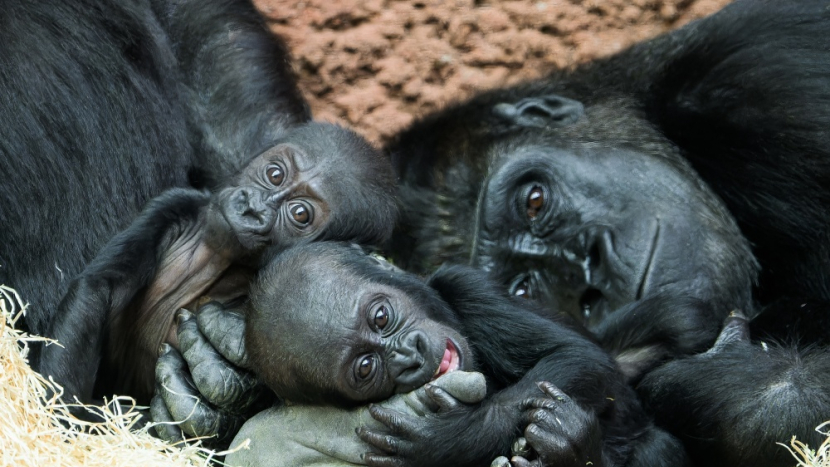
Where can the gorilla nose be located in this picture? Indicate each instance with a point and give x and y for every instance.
(250, 210)
(406, 362)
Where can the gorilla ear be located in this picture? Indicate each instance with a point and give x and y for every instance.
(549, 111)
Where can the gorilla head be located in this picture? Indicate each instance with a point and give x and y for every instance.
(589, 226)
(587, 213)
(318, 181)
(331, 324)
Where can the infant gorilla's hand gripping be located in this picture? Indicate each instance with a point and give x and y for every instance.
(559, 432)
(204, 391)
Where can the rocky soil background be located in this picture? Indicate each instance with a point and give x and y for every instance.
(376, 65)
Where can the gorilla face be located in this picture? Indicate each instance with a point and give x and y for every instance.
(319, 180)
(279, 196)
(587, 228)
(387, 344)
(319, 330)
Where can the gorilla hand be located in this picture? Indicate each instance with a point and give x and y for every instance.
(560, 432)
(203, 388)
(406, 435)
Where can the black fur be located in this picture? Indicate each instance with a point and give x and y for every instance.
(738, 104)
(731, 406)
(104, 104)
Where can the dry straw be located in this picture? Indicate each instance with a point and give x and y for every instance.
(37, 430)
(805, 456)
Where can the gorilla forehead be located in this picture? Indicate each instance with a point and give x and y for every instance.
(616, 177)
(320, 273)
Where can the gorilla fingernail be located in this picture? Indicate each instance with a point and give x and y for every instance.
(520, 447)
(182, 316)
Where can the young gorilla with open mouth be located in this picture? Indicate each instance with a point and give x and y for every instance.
(319, 181)
(327, 324)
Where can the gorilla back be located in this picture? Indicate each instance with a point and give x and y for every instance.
(90, 128)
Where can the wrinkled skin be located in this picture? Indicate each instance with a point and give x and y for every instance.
(556, 434)
(204, 382)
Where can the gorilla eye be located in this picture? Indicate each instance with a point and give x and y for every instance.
(300, 214)
(381, 318)
(535, 201)
(365, 367)
(275, 174)
(521, 288)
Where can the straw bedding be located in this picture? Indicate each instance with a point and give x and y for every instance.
(36, 430)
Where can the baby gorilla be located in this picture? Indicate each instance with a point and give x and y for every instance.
(328, 324)
(319, 181)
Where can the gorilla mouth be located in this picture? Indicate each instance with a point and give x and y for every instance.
(451, 361)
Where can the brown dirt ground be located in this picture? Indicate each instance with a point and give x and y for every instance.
(375, 65)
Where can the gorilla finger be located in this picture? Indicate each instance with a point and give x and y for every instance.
(394, 420)
(519, 461)
(384, 442)
(184, 403)
(544, 441)
(445, 400)
(547, 420)
(500, 461)
(218, 380)
(520, 447)
(553, 392)
(532, 403)
(163, 424)
(377, 460)
(735, 330)
(225, 329)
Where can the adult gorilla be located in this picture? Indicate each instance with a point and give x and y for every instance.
(105, 103)
(611, 192)
(624, 193)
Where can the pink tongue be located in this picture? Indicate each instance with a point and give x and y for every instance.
(445, 362)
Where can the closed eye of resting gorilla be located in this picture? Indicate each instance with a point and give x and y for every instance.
(328, 324)
(630, 209)
(318, 182)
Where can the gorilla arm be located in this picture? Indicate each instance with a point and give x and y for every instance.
(97, 298)
(515, 349)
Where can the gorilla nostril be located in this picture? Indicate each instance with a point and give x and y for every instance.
(420, 343)
(252, 213)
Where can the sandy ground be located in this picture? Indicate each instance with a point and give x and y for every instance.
(375, 65)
